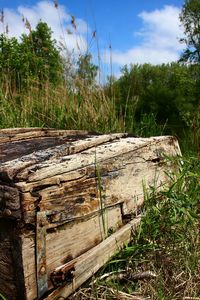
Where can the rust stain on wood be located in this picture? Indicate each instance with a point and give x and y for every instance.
(41, 267)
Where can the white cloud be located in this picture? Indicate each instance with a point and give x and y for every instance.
(57, 19)
(160, 32)
(144, 54)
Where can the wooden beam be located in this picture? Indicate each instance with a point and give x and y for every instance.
(45, 148)
(67, 242)
(89, 263)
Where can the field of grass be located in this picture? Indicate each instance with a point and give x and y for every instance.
(162, 262)
(163, 259)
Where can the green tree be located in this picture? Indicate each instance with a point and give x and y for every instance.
(9, 61)
(87, 71)
(190, 19)
(41, 57)
(166, 91)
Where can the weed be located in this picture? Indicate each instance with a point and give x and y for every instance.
(2, 297)
(167, 242)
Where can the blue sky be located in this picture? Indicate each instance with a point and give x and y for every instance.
(133, 31)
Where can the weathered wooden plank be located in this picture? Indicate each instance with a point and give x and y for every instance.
(10, 151)
(69, 201)
(88, 263)
(13, 131)
(7, 275)
(66, 243)
(16, 149)
(15, 143)
(69, 145)
(11, 266)
(17, 134)
(122, 177)
(18, 264)
(100, 154)
(85, 185)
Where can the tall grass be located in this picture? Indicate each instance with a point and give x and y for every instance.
(168, 242)
(163, 260)
(45, 105)
(83, 107)
(80, 107)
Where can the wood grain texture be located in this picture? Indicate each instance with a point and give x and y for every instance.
(10, 253)
(89, 263)
(66, 243)
(7, 276)
(86, 185)
(17, 134)
(17, 156)
(68, 188)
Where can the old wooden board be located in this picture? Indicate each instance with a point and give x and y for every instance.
(7, 272)
(11, 266)
(86, 265)
(66, 243)
(68, 186)
(66, 193)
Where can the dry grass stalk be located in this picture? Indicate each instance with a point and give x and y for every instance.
(126, 275)
(105, 292)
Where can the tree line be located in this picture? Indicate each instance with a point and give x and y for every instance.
(168, 92)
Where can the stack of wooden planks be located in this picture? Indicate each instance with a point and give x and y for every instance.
(65, 198)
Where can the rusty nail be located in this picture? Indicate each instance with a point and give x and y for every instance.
(42, 270)
(31, 206)
(6, 212)
(42, 223)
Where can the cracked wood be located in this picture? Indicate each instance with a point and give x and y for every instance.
(87, 184)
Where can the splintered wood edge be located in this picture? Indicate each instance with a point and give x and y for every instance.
(91, 261)
(18, 134)
(17, 167)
